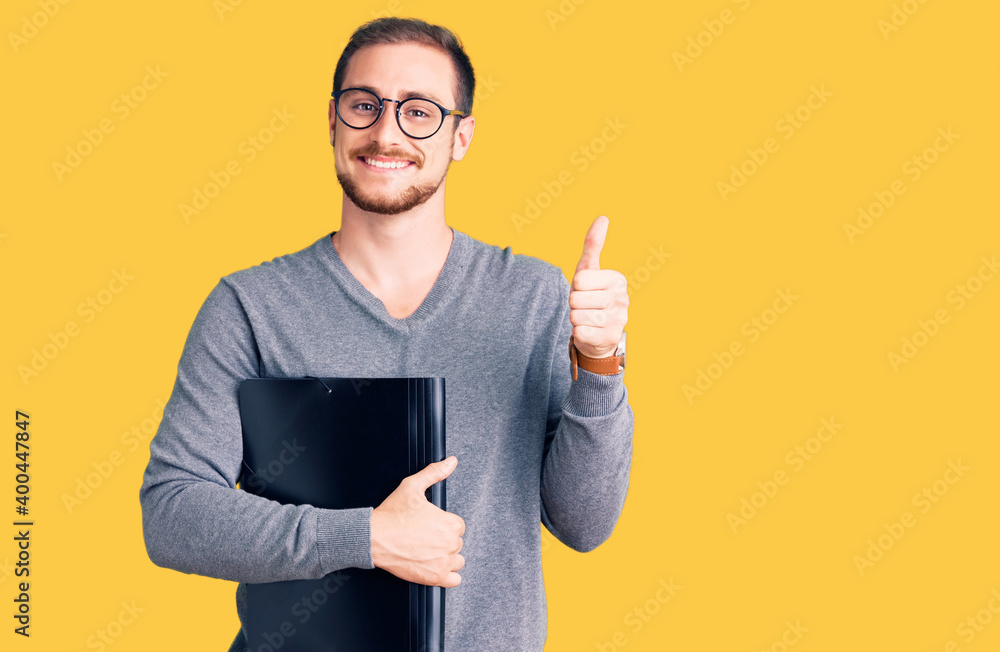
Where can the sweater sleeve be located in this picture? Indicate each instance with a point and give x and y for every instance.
(587, 455)
(194, 519)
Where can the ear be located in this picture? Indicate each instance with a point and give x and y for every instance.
(332, 117)
(463, 137)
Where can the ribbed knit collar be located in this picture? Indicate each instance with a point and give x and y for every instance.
(452, 271)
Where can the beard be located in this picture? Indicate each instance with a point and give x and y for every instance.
(385, 204)
(381, 202)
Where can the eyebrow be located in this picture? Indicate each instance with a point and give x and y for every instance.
(404, 95)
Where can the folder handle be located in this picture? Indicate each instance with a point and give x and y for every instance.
(328, 390)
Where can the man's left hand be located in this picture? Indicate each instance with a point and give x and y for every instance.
(598, 298)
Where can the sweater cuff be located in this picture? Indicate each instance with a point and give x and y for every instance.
(344, 538)
(594, 395)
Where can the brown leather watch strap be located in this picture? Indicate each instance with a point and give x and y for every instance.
(608, 366)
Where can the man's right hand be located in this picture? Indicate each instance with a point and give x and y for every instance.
(414, 539)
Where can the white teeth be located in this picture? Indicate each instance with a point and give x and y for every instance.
(390, 165)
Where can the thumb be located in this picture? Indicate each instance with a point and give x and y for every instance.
(593, 243)
(435, 472)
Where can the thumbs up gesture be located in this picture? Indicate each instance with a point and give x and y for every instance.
(598, 298)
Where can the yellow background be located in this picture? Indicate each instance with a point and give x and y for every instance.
(550, 77)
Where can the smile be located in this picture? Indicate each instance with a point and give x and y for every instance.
(389, 164)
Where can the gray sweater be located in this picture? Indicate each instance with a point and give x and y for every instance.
(533, 446)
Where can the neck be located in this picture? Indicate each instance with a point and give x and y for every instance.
(394, 251)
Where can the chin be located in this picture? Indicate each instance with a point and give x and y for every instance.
(401, 202)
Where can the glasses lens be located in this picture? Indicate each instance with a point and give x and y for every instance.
(419, 118)
(358, 108)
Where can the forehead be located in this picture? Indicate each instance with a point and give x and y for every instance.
(394, 70)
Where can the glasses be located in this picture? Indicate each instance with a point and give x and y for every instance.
(417, 117)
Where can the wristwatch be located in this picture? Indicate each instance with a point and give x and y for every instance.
(609, 366)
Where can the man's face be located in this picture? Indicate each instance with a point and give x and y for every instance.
(392, 71)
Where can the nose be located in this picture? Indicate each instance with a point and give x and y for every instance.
(386, 129)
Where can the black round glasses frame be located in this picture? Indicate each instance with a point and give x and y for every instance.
(381, 106)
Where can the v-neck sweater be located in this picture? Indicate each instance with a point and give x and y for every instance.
(533, 446)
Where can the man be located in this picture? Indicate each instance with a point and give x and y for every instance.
(539, 431)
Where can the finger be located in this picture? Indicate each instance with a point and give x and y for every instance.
(434, 472)
(595, 318)
(599, 279)
(453, 580)
(584, 299)
(461, 562)
(593, 243)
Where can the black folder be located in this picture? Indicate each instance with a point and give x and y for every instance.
(340, 443)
